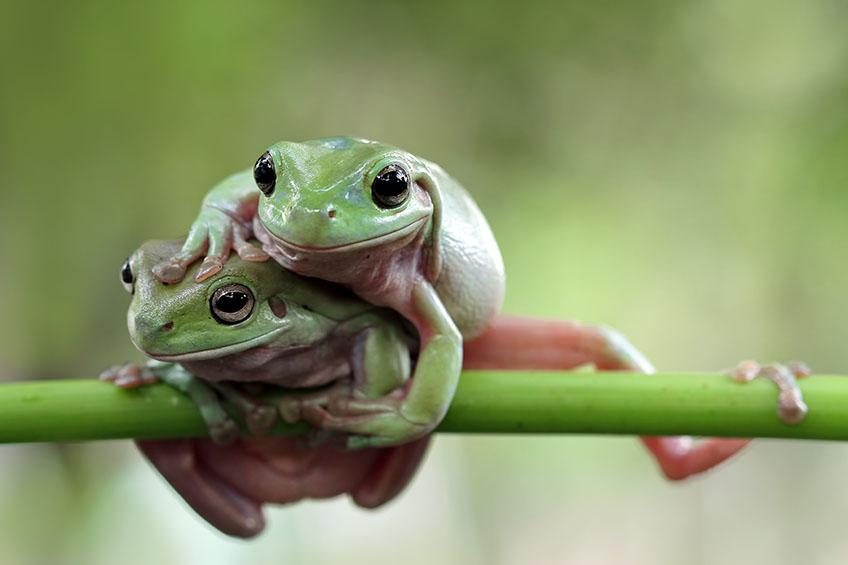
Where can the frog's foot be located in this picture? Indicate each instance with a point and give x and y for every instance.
(374, 422)
(245, 249)
(290, 406)
(214, 233)
(129, 375)
(791, 407)
(259, 418)
(223, 432)
(682, 457)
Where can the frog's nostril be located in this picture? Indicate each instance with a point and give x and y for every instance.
(278, 307)
(331, 213)
(167, 327)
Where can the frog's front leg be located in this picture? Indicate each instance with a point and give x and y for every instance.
(417, 408)
(223, 224)
(129, 375)
(222, 428)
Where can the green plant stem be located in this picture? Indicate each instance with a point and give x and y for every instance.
(486, 402)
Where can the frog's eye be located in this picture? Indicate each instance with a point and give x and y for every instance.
(231, 304)
(127, 277)
(265, 174)
(390, 188)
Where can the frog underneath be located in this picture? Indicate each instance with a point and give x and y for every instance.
(256, 322)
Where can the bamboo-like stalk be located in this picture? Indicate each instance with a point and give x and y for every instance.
(486, 402)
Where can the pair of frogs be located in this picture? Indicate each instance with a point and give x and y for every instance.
(386, 282)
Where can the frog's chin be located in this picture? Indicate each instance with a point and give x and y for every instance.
(291, 249)
(215, 352)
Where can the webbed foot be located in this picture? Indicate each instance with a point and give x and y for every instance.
(214, 233)
(129, 375)
(791, 407)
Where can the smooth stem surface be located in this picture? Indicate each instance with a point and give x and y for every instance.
(486, 402)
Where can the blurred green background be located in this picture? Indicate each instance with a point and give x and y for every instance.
(675, 170)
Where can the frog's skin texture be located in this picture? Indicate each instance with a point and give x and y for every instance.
(299, 333)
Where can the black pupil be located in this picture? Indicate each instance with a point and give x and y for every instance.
(391, 185)
(231, 301)
(264, 173)
(126, 273)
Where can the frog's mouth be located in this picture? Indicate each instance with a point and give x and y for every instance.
(291, 249)
(216, 352)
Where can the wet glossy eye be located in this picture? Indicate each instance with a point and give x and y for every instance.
(265, 174)
(127, 277)
(231, 304)
(390, 188)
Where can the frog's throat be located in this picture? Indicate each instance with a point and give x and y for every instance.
(288, 247)
(218, 352)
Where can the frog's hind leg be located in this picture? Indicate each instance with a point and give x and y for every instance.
(520, 343)
(220, 503)
(391, 473)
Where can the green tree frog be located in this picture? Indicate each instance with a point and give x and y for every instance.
(256, 322)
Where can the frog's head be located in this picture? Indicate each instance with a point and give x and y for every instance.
(244, 306)
(342, 193)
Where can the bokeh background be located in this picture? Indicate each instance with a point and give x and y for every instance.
(676, 170)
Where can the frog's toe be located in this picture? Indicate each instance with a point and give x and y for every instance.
(211, 266)
(170, 272)
(131, 376)
(261, 419)
(245, 250)
(791, 408)
(289, 410)
(224, 432)
(799, 369)
(745, 372)
(110, 374)
(252, 253)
